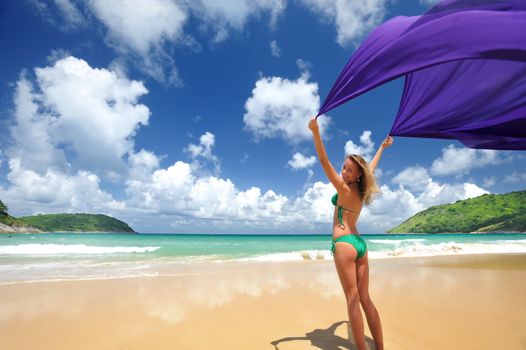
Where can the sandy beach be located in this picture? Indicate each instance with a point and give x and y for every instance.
(453, 302)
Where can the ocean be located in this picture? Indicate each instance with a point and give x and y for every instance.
(71, 256)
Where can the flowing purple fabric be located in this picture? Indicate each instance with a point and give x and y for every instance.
(464, 64)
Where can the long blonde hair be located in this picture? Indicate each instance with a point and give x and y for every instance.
(367, 182)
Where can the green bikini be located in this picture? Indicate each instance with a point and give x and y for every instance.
(356, 240)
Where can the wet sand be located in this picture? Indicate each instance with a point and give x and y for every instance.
(454, 302)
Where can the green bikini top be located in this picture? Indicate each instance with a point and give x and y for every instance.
(334, 201)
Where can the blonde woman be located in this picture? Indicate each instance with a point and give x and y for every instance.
(355, 187)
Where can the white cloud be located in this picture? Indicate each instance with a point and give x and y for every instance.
(142, 164)
(515, 177)
(489, 181)
(314, 206)
(352, 18)
(204, 150)
(428, 2)
(32, 143)
(393, 206)
(191, 201)
(274, 49)
(177, 190)
(70, 12)
(461, 160)
(299, 161)
(145, 32)
(78, 116)
(56, 55)
(389, 209)
(416, 178)
(304, 66)
(280, 107)
(365, 149)
(143, 27)
(416, 191)
(61, 13)
(225, 16)
(77, 192)
(73, 127)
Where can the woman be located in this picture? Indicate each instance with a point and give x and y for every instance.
(355, 186)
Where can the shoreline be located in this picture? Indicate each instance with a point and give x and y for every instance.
(424, 303)
(263, 234)
(452, 260)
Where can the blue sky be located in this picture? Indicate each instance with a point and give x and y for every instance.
(190, 116)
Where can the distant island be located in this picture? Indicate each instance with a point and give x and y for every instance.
(60, 223)
(489, 213)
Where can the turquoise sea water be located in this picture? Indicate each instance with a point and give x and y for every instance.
(59, 256)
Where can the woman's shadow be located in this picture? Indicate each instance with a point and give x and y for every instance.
(326, 339)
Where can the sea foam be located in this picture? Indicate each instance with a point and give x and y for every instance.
(52, 249)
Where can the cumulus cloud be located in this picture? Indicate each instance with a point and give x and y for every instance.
(429, 2)
(70, 12)
(274, 49)
(204, 149)
(489, 181)
(193, 201)
(33, 145)
(461, 160)
(352, 18)
(142, 164)
(79, 191)
(56, 55)
(76, 116)
(73, 127)
(304, 66)
(64, 14)
(280, 107)
(515, 177)
(143, 27)
(223, 17)
(365, 149)
(299, 161)
(416, 190)
(145, 32)
(177, 190)
(416, 178)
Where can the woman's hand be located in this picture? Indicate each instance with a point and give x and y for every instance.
(387, 142)
(313, 125)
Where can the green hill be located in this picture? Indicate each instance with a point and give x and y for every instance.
(487, 213)
(76, 223)
(9, 224)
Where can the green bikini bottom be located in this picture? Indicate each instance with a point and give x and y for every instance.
(356, 240)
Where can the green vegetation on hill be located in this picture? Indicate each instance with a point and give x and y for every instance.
(8, 220)
(14, 225)
(487, 213)
(76, 223)
(3, 208)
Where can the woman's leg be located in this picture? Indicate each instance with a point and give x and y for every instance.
(373, 318)
(344, 258)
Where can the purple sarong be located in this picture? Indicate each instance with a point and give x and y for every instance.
(464, 63)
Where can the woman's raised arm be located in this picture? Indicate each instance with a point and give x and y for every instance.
(331, 173)
(386, 143)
